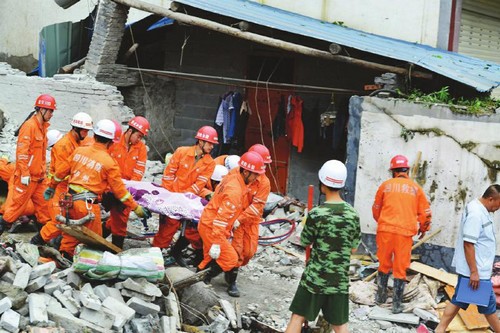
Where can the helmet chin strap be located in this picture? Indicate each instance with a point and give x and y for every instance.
(43, 115)
(79, 132)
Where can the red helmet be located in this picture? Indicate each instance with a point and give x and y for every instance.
(252, 162)
(398, 162)
(118, 131)
(46, 101)
(207, 133)
(140, 123)
(262, 151)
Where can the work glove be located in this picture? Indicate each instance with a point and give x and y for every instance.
(49, 193)
(142, 212)
(25, 180)
(214, 251)
(236, 225)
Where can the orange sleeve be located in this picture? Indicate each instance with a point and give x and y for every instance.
(61, 170)
(140, 163)
(231, 199)
(170, 170)
(206, 190)
(377, 204)
(253, 213)
(24, 140)
(202, 178)
(424, 213)
(58, 154)
(117, 186)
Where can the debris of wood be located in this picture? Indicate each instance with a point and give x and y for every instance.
(457, 324)
(426, 238)
(261, 327)
(445, 277)
(471, 317)
(171, 304)
(379, 313)
(237, 309)
(88, 237)
(181, 284)
(293, 253)
(230, 312)
(70, 68)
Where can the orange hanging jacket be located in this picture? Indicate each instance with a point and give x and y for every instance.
(399, 204)
(30, 152)
(132, 162)
(184, 174)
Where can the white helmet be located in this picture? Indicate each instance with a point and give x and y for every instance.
(82, 120)
(232, 161)
(219, 172)
(333, 174)
(105, 128)
(53, 136)
(168, 156)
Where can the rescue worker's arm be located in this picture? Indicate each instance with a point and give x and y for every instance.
(377, 204)
(202, 179)
(206, 192)
(171, 170)
(61, 170)
(253, 213)
(117, 186)
(24, 142)
(424, 214)
(58, 154)
(140, 164)
(470, 256)
(225, 214)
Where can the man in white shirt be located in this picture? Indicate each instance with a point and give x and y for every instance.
(474, 255)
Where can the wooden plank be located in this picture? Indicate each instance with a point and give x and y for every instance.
(445, 277)
(472, 319)
(90, 238)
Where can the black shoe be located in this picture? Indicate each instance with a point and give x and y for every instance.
(381, 296)
(213, 272)
(118, 240)
(177, 249)
(230, 278)
(37, 240)
(105, 231)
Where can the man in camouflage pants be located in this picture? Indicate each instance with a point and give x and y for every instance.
(333, 230)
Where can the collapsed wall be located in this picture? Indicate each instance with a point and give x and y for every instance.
(459, 158)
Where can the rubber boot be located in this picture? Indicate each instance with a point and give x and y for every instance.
(176, 251)
(213, 272)
(118, 240)
(105, 231)
(381, 296)
(198, 257)
(37, 240)
(397, 298)
(232, 290)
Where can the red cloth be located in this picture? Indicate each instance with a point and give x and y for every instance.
(295, 127)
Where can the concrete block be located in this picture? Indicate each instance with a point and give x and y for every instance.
(165, 324)
(10, 321)
(119, 285)
(90, 301)
(73, 279)
(99, 318)
(71, 323)
(141, 285)
(142, 307)
(53, 285)
(22, 276)
(24, 310)
(44, 269)
(102, 292)
(87, 288)
(68, 303)
(130, 293)
(37, 308)
(8, 277)
(119, 321)
(118, 307)
(37, 283)
(62, 274)
(115, 293)
(140, 325)
(425, 315)
(379, 313)
(5, 304)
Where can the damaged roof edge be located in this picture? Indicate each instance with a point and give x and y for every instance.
(479, 74)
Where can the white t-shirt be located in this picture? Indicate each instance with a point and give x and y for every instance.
(476, 227)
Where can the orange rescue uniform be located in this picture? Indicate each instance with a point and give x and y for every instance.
(184, 173)
(7, 170)
(217, 220)
(246, 237)
(220, 160)
(30, 161)
(399, 204)
(60, 152)
(132, 164)
(92, 171)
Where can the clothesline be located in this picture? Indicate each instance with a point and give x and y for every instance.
(229, 80)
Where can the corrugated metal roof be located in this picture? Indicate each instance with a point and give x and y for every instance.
(481, 75)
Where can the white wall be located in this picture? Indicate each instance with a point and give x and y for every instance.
(22, 21)
(452, 173)
(414, 21)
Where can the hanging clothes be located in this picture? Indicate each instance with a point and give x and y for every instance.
(294, 123)
(279, 122)
(241, 127)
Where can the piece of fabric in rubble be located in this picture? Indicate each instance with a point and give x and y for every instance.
(101, 265)
(159, 200)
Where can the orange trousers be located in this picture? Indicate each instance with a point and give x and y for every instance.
(228, 258)
(118, 220)
(167, 229)
(19, 197)
(245, 242)
(78, 211)
(394, 252)
(50, 231)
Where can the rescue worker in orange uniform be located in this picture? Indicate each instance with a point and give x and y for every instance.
(31, 165)
(131, 154)
(189, 170)
(246, 227)
(218, 217)
(91, 171)
(401, 210)
(207, 193)
(81, 124)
